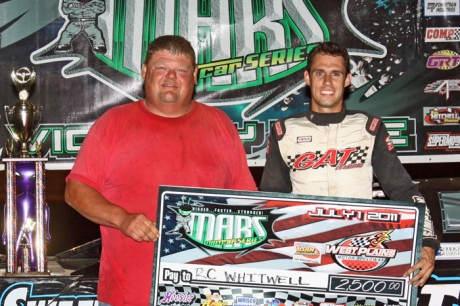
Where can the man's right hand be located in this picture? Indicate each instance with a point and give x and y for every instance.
(93, 206)
(139, 227)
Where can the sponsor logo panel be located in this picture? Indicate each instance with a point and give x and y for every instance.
(308, 252)
(448, 251)
(443, 60)
(301, 139)
(442, 34)
(443, 141)
(441, 115)
(363, 253)
(441, 8)
(443, 87)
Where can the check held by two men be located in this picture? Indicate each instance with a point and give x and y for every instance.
(221, 247)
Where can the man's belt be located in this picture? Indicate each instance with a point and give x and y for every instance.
(82, 19)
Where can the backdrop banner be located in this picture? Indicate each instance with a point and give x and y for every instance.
(52, 290)
(220, 247)
(252, 55)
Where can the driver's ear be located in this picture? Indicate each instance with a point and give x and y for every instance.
(306, 77)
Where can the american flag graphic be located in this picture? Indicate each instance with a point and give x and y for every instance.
(310, 221)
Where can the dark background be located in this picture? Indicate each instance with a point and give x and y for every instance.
(69, 229)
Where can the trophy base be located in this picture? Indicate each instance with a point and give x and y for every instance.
(28, 274)
(25, 159)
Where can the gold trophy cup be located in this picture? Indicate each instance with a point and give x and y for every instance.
(25, 115)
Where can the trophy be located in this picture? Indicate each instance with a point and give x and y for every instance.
(25, 114)
(26, 213)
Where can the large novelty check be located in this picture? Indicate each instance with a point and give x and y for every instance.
(221, 247)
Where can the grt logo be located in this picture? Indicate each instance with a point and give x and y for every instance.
(443, 60)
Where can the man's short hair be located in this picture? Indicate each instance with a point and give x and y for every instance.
(173, 44)
(329, 48)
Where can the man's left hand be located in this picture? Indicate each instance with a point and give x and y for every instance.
(425, 267)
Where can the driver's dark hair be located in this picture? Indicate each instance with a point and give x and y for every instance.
(329, 48)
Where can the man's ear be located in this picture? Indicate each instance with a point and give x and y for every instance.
(144, 70)
(306, 77)
(195, 74)
(348, 80)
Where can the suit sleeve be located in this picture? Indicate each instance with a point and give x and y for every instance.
(396, 182)
(276, 177)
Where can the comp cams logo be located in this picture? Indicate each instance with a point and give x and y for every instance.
(442, 34)
(363, 253)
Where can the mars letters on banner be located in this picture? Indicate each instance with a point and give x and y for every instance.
(221, 247)
(88, 57)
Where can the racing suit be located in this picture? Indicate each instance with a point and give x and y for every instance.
(337, 154)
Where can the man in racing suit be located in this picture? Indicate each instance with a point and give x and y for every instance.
(332, 151)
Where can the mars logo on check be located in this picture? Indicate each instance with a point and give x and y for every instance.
(223, 227)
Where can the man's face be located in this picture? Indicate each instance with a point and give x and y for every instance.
(327, 80)
(169, 82)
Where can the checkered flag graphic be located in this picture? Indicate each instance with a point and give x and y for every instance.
(362, 241)
(358, 157)
(264, 297)
(456, 36)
